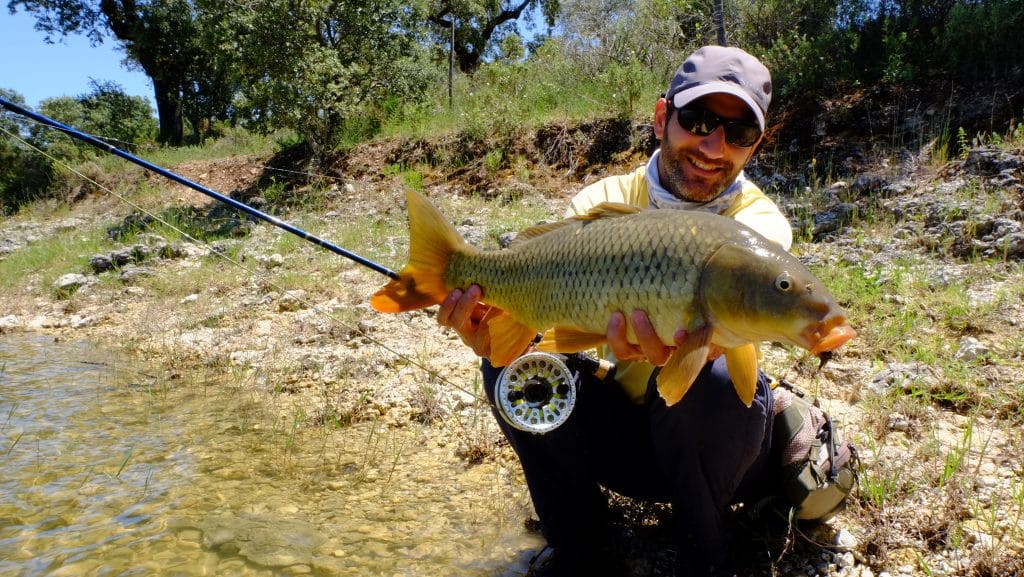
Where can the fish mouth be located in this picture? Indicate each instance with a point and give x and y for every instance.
(829, 334)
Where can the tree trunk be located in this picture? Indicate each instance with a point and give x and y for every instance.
(470, 42)
(169, 112)
(124, 21)
(720, 21)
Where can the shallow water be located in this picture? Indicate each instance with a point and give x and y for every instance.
(108, 470)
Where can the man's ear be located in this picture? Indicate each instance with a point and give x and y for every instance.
(660, 118)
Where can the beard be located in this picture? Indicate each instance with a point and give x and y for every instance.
(687, 181)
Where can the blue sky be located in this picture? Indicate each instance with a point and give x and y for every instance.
(38, 71)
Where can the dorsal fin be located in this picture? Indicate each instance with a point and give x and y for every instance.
(540, 229)
(607, 209)
(603, 210)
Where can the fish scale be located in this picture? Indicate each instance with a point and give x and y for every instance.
(589, 269)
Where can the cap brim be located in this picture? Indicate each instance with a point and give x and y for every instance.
(684, 97)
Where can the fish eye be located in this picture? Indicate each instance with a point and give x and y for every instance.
(784, 283)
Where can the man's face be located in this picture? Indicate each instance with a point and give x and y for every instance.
(698, 168)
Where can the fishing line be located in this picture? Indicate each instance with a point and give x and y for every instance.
(298, 172)
(257, 274)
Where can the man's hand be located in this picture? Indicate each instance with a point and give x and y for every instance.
(649, 347)
(463, 311)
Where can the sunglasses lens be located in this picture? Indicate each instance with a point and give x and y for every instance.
(741, 134)
(695, 121)
(703, 122)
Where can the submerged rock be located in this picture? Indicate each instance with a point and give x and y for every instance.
(263, 539)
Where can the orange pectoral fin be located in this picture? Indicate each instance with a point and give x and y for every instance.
(569, 340)
(509, 338)
(742, 365)
(683, 366)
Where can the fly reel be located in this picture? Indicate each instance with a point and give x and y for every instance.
(536, 392)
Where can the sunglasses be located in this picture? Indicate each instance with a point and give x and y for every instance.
(703, 122)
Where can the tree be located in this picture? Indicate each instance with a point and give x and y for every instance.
(765, 22)
(312, 65)
(113, 115)
(24, 174)
(651, 32)
(106, 112)
(480, 23)
(163, 37)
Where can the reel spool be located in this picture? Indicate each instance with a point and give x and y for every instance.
(536, 393)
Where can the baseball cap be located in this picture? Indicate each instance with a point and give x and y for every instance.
(723, 69)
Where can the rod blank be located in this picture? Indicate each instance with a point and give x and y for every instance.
(92, 140)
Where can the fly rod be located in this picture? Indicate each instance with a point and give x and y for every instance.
(92, 140)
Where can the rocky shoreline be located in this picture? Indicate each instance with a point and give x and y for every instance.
(325, 351)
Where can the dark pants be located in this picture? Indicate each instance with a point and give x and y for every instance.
(702, 455)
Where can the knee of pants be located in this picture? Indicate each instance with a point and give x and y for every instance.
(711, 426)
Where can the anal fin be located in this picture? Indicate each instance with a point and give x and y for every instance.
(742, 364)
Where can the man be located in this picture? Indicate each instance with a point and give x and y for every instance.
(705, 453)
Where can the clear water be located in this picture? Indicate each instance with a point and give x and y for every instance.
(107, 470)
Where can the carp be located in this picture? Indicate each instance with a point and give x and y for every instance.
(715, 278)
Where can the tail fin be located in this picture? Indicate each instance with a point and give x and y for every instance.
(432, 240)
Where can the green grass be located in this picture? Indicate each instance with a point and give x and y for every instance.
(503, 99)
(234, 142)
(50, 257)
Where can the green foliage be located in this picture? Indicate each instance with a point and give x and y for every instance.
(66, 110)
(511, 49)
(502, 99)
(275, 192)
(979, 38)
(897, 68)
(107, 112)
(312, 66)
(962, 141)
(878, 487)
(410, 177)
(628, 84)
(115, 116)
(41, 263)
(24, 175)
(764, 22)
(797, 63)
(338, 73)
(651, 33)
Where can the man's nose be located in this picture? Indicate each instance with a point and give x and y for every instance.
(713, 145)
